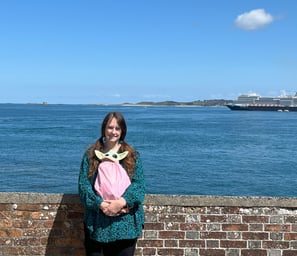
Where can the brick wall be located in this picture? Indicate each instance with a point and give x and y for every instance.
(51, 224)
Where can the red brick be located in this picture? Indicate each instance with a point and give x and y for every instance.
(212, 252)
(10, 232)
(253, 252)
(192, 243)
(231, 210)
(6, 223)
(213, 235)
(275, 244)
(48, 223)
(234, 227)
(255, 219)
(68, 242)
(147, 252)
(40, 216)
(27, 223)
(53, 251)
(171, 243)
(193, 226)
(5, 207)
(150, 243)
(290, 236)
(29, 207)
(277, 228)
(21, 214)
(289, 253)
(60, 216)
(75, 215)
(56, 232)
(233, 244)
(170, 252)
(154, 226)
(255, 236)
(171, 235)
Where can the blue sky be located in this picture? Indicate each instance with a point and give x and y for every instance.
(92, 51)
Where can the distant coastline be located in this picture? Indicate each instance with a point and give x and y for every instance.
(196, 103)
(200, 103)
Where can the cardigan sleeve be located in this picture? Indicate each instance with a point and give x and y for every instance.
(134, 194)
(88, 197)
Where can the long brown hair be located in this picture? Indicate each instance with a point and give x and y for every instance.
(129, 161)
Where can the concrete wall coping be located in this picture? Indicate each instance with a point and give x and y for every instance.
(157, 200)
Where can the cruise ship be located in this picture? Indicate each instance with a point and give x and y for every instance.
(254, 102)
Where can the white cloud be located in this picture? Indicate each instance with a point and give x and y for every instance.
(253, 20)
(116, 95)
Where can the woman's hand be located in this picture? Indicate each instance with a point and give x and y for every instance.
(113, 207)
(104, 207)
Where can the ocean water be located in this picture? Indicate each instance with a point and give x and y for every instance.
(184, 150)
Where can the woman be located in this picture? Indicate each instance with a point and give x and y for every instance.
(112, 226)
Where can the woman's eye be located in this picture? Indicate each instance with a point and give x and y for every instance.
(114, 128)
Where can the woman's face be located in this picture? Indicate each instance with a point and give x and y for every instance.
(113, 131)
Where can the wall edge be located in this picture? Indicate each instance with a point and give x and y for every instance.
(157, 200)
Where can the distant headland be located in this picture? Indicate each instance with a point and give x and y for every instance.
(200, 103)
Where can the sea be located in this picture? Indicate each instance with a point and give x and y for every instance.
(184, 150)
